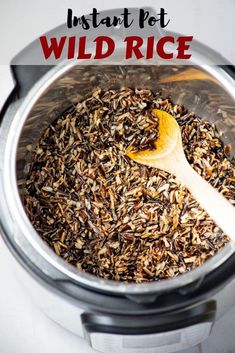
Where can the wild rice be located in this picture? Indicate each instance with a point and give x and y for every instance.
(110, 216)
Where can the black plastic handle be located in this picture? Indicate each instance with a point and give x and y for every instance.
(26, 76)
(147, 324)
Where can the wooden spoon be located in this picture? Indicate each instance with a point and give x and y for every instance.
(169, 156)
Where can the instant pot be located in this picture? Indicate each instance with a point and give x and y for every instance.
(157, 317)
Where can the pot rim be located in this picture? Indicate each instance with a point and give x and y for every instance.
(37, 248)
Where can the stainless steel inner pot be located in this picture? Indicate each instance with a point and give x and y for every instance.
(209, 91)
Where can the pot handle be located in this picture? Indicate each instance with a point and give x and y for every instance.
(26, 76)
(164, 333)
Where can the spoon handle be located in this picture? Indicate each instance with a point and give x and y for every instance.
(213, 202)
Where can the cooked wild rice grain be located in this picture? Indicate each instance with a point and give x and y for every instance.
(110, 216)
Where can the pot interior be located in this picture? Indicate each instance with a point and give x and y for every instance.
(203, 91)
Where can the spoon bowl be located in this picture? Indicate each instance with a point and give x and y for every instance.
(169, 136)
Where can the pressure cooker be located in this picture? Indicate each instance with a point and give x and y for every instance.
(157, 317)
